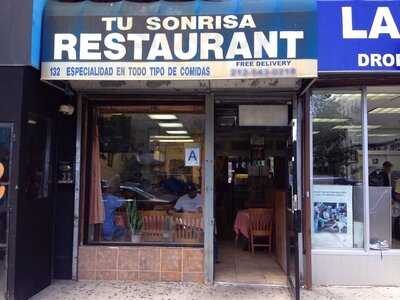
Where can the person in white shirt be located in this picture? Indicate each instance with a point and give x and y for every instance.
(190, 202)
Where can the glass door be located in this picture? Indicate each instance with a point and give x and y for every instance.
(5, 161)
(293, 220)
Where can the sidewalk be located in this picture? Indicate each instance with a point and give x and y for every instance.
(71, 290)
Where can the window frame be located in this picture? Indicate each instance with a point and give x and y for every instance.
(141, 106)
(365, 90)
(347, 90)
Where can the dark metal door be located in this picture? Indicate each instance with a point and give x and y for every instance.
(6, 133)
(33, 249)
(293, 216)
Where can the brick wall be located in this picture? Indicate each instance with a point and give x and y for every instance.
(140, 263)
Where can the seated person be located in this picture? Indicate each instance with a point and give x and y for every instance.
(190, 202)
(173, 185)
(111, 203)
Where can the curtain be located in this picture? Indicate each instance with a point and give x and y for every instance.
(96, 212)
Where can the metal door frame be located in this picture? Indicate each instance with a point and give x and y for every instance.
(209, 191)
(209, 267)
(294, 212)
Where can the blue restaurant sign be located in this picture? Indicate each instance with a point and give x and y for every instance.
(218, 39)
(182, 40)
(359, 36)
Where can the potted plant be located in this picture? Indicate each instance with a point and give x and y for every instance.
(135, 221)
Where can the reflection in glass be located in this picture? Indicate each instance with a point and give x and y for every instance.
(337, 171)
(3, 218)
(36, 174)
(151, 179)
(5, 138)
(384, 169)
(5, 152)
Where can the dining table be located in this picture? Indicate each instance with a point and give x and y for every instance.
(242, 224)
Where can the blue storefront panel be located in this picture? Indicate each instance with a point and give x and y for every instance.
(358, 36)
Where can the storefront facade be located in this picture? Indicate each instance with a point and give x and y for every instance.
(353, 101)
(338, 71)
(28, 108)
(145, 82)
(165, 105)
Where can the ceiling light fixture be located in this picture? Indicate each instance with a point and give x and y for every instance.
(380, 134)
(170, 137)
(170, 125)
(177, 132)
(162, 117)
(328, 120)
(174, 141)
(385, 110)
(355, 127)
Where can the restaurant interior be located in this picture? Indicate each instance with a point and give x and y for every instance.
(251, 182)
(152, 194)
(141, 164)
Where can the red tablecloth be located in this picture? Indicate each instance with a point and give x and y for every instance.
(242, 223)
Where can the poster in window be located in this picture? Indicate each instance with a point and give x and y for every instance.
(332, 216)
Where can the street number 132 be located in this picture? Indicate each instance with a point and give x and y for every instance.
(55, 71)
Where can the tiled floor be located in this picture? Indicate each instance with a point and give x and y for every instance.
(242, 267)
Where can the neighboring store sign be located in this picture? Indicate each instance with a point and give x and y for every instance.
(277, 43)
(192, 156)
(332, 216)
(357, 36)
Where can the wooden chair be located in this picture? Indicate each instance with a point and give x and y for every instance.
(188, 228)
(261, 220)
(154, 224)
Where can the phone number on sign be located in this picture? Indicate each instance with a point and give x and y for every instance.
(250, 72)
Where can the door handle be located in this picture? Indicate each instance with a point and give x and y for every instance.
(295, 203)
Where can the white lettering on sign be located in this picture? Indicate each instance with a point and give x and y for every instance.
(383, 24)
(90, 46)
(205, 42)
(162, 46)
(199, 22)
(261, 43)
(211, 42)
(292, 37)
(65, 42)
(239, 46)
(379, 60)
(191, 46)
(116, 49)
(109, 21)
(138, 39)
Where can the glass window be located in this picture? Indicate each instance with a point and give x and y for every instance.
(37, 164)
(149, 169)
(384, 169)
(5, 142)
(5, 160)
(337, 201)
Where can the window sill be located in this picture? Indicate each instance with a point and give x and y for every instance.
(356, 252)
(127, 244)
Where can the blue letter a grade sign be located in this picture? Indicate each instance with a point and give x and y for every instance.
(192, 156)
